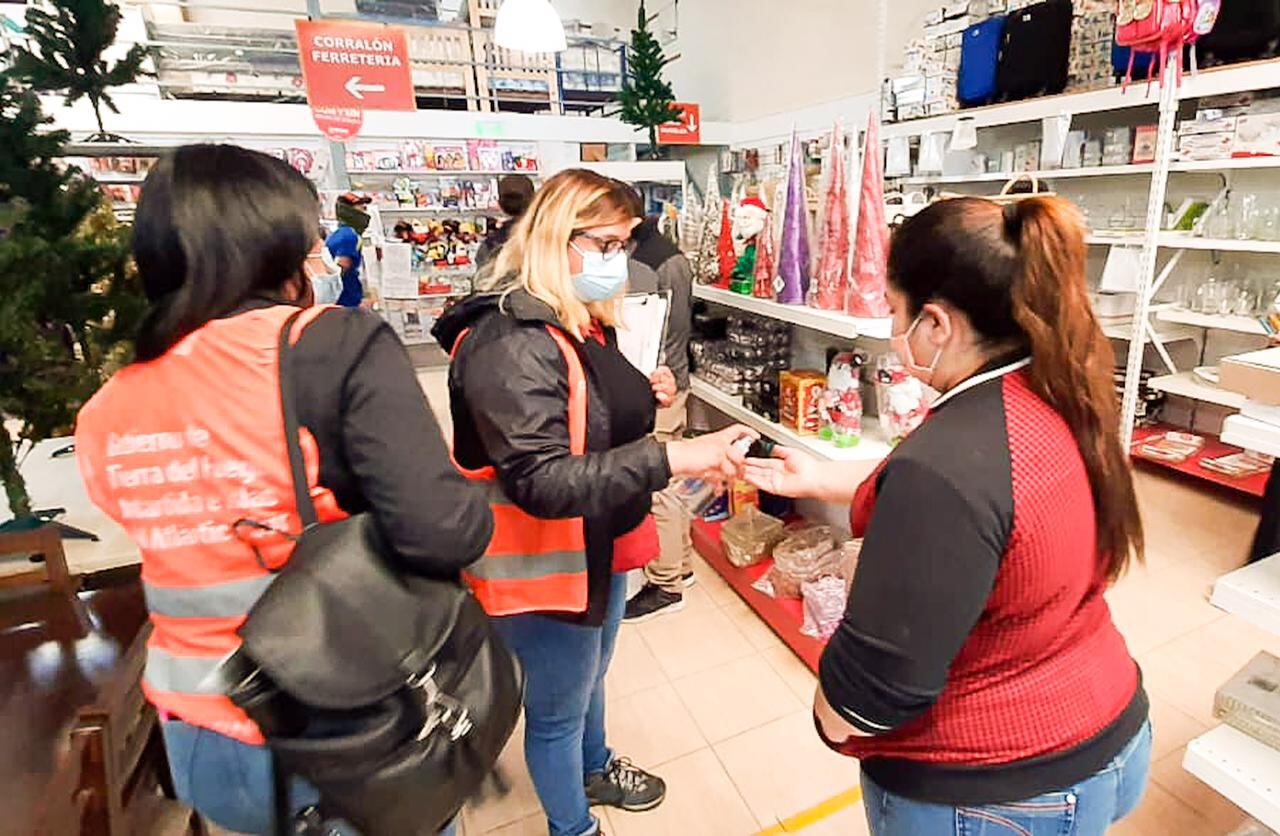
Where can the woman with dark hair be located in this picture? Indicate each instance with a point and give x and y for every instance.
(188, 441)
(977, 673)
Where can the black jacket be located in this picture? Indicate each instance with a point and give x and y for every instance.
(674, 274)
(509, 392)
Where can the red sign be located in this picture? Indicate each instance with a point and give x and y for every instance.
(350, 68)
(687, 131)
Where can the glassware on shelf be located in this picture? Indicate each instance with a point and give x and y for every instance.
(1266, 224)
(1245, 217)
(1221, 223)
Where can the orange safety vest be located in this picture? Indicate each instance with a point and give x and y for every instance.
(534, 564)
(178, 450)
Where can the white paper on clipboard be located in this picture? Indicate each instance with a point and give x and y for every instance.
(644, 329)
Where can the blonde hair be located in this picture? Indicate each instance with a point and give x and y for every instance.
(536, 256)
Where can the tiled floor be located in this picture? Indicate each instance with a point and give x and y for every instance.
(713, 702)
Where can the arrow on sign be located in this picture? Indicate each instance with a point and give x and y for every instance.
(357, 90)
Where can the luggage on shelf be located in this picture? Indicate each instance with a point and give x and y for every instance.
(1036, 51)
(1246, 30)
(979, 59)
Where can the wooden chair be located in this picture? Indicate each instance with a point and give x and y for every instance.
(115, 779)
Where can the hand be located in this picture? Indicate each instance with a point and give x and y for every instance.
(710, 456)
(663, 382)
(789, 473)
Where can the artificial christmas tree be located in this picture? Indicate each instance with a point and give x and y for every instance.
(646, 99)
(65, 49)
(71, 296)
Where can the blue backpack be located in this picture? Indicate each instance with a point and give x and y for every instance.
(979, 57)
(1144, 63)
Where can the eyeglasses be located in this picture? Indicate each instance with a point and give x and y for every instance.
(607, 247)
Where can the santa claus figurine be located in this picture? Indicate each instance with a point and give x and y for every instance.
(749, 220)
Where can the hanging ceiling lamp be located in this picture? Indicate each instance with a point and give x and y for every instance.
(529, 26)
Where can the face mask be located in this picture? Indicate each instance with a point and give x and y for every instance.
(901, 344)
(601, 278)
(327, 286)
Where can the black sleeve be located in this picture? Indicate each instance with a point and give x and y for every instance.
(517, 396)
(928, 563)
(437, 521)
(676, 275)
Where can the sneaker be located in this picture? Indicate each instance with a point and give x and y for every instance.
(688, 580)
(625, 786)
(651, 602)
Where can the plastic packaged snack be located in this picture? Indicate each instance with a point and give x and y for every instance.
(825, 600)
(750, 537)
(798, 558)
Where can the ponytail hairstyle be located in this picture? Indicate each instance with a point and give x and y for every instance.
(1017, 272)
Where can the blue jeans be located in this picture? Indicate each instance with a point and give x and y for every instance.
(564, 667)
(229, 781)
(1086, 809)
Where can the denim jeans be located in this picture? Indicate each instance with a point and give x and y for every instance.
(564, 667)
(1086, 809)
(229, 781)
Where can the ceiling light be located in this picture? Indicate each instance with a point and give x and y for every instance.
(529, 26)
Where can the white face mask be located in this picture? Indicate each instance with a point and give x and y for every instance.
(326, 286)
(901, 344)
(602, 277)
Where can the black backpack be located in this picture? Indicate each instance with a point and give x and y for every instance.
(1036, 51)
(1246, 30)
(391, 694)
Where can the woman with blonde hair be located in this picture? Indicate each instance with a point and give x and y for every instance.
(557, 422)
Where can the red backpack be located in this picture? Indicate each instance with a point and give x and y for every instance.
(1162, 27)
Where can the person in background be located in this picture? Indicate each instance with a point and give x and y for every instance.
(515, 191)
(345, 246)
(188, 439)
(977, 673)
(659, 266)
(1266, 539)
(324, 272)
(550, 412)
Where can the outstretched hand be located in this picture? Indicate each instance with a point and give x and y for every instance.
(789, 473)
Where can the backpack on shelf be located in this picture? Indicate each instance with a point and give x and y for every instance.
(1161, 27)
(979, 60)
(1246, 30)
(1035, 51)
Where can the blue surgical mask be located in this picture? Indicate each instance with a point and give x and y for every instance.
(327, 286)
(602, 277)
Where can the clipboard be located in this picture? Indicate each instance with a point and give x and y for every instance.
(642, 334)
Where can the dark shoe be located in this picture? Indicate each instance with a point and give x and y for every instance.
(625, 786)
(651, 602)
(688, 580)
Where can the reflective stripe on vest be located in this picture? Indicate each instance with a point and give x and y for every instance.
(178, 450)
(534, 564)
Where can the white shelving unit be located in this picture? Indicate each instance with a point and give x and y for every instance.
(1242, 769)
(1184, 241)
(1133, 170)
(1251, 434)
(1187, 385)
(828, 322)
(1220, 322)
(1253, 593)
(872, 448)
(434, 210)
(436, 172)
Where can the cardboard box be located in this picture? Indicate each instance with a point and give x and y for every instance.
(799, 396)
(1255, 375)
(1257, 135)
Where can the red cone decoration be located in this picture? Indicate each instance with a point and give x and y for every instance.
(871, 253)
(832, 278)
(728, 257)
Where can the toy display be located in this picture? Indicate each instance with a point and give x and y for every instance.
(800, 393)
(416, 156)
(439, 193)
(901, 399)
(750, 218)
(443, 252)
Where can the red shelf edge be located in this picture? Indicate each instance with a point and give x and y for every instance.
(782, 619)
(1253, 486)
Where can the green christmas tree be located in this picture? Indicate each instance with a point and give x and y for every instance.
(646, 98)
(65, 49)
(71, 296)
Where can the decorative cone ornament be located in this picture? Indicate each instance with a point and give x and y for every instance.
(724, 247)
(766, 262)
(707, 260)
(871, 253)
(793, 259)
(832, 275)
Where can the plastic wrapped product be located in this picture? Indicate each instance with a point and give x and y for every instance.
(1250, 700)
(824, 604)
(750, 537)
(797, 559)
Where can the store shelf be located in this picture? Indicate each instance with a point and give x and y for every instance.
(1044, 174)
(1229, 164)
(1188, 385)
(1184, 241)
(1252, 434)
(1253, 593)
(1119, 239)
(784, 617)
(1241, 768)
(1219, 322)
(872, 448)
(433, 210)
(434, 172)
(1255, 75)
(1213, 448)
(829, 322)
(1122, 329)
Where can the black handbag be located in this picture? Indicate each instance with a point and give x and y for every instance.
(390, 693)
(1246, 30)
(1036, 52)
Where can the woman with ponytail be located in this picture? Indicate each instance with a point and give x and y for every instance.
(977, 673)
